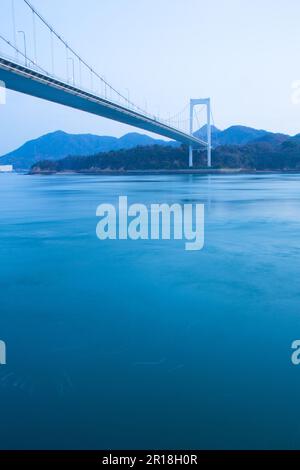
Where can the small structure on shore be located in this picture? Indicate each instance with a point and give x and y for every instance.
(6, 168)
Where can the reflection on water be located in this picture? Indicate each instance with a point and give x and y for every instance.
(127, 344)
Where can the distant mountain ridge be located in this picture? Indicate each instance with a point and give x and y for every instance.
(241, 135)
(59, 144)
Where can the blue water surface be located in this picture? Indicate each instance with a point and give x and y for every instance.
(141, 344)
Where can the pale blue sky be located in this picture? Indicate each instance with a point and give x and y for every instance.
(244, 55)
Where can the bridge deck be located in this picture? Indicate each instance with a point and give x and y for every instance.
(22, 79)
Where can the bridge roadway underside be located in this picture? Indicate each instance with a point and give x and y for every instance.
(24, 80)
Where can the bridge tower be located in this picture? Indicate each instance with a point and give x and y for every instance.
(193, 103)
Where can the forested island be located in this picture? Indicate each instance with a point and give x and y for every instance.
(259, 156)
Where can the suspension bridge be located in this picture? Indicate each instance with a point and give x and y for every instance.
(80, 86)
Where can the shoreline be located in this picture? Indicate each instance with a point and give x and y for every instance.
(203, 171)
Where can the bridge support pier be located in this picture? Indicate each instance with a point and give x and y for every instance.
(190, 156)
(193, 103)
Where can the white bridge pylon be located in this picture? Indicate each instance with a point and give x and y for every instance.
(193, 103)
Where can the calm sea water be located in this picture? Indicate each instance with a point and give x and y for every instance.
(141, 344)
